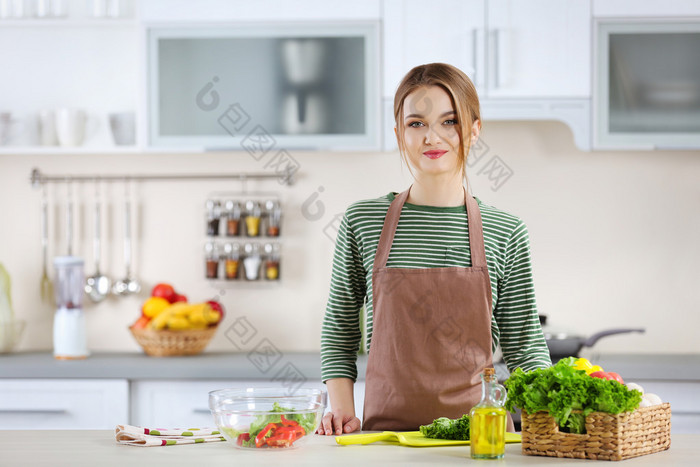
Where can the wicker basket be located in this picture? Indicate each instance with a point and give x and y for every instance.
(165, 343)
(608, 437)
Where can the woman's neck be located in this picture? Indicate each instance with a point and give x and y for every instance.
(437, 192)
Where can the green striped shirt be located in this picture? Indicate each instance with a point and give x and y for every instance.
(428, 237)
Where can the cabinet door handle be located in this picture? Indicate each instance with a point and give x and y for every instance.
(33, 411)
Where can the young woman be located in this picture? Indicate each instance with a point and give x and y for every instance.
(444, 278)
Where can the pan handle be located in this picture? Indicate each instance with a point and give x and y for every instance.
(598, 335)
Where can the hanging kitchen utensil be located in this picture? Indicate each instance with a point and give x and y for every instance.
(98, 285)
(128, 285)
(46, 285)
(69, 218)
(564, 344)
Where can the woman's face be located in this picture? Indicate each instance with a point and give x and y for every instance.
(431, 132)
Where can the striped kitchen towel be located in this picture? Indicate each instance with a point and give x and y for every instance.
(140, 436)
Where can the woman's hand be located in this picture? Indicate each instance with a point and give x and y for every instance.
(338, 423)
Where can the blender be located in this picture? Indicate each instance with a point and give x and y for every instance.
(69, 338)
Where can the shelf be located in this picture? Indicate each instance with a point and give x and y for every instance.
(68, 23)
(70, 150)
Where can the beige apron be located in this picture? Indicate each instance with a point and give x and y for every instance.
(431, 335)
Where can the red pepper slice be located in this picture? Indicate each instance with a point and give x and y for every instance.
(242, 437)
(260, 438)
(284, 436)
(287, 422)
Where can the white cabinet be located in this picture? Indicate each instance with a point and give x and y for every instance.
(683, 396)
(185, 403)
(528, 60)
(76, 404)
(538, 48)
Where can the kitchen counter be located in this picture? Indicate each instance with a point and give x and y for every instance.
(91, 447)
(136, 366)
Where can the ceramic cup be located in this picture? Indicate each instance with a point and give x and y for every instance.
(70, 126)
(123, 125)
(46, 123)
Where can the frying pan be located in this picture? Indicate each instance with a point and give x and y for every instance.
(562, 344)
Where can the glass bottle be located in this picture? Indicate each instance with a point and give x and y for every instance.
(252, 220)
(233, 217)
(251, 262)
(212, 260)
(487, 428)
(274, 213)
(272, 261)
(232, 260)
(213, 217)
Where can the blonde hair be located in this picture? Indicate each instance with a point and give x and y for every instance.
(462, 93)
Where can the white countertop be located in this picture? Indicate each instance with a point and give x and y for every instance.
(98, 448)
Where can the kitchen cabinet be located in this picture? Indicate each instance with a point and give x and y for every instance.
(185, 403)
(528, 60)
(63, 403)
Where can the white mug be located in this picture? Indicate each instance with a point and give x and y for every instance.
(123, 126)
(71, 126)
(46, 120)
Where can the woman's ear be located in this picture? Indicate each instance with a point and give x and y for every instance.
(476, 130)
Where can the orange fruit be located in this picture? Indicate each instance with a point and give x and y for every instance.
(153, 306)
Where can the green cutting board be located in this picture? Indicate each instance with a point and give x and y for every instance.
(409, 438)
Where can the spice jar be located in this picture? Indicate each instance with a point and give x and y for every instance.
(231, 260)
(251, 263)
(274, 213)
(272, 261)
(252, 220)
(233, 217)
(211, 254)
(213, 217)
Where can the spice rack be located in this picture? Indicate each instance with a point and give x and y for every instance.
(243, 233)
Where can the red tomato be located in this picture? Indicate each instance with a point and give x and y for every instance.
(165, 291)
(180, 298)
(616, 377)
(601, 375)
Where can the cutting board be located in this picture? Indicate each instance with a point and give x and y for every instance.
(409, 438)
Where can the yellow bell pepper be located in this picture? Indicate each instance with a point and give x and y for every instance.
(582, 364)
(594, 369)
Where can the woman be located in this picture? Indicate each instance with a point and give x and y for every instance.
(444, 277)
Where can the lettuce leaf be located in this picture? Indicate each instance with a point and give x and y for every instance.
(561, 389)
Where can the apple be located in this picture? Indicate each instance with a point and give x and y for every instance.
(165, 291)
(179, 298)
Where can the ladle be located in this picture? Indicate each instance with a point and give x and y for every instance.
(128, 285)
(98, 285)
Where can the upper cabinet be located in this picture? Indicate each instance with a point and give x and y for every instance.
(244, 86)
(528, 60)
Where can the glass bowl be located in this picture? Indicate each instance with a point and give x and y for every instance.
(267, 418)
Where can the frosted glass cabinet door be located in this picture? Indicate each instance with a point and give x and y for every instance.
(287, 86)
(647, 85)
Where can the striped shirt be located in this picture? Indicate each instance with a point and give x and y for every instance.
(428, 237)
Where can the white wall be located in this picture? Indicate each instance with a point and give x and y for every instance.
(614, 236)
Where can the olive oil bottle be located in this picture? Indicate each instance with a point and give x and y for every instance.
(487, 428)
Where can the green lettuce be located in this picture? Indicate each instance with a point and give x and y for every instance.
(562, 389)
(446, 428)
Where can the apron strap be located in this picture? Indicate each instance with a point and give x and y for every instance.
(476, 232)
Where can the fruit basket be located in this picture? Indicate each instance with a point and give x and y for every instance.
(608, 437)
(167, 343)
(170, 326)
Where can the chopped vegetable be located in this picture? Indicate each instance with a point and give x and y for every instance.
(562, 389)
(277, 429)
(446, 428)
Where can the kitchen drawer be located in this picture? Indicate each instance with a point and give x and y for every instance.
(185, 403)
(40, 404)
(685, 409)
